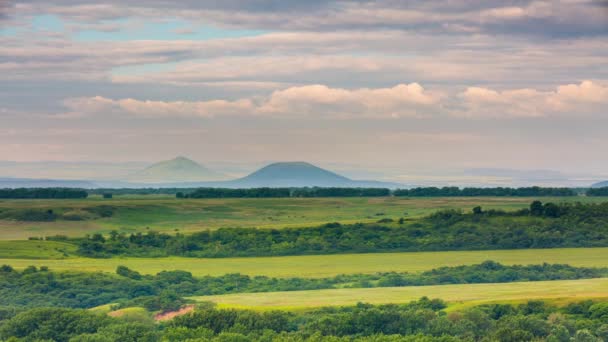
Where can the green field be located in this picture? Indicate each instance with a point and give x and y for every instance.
(455, 294)
(319, 265)
(33, 249)
(165, 213)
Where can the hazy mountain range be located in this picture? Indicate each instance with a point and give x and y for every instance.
(183, 172)
(180, 169)
(600, 185)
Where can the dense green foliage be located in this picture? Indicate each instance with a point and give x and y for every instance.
(341, 192)
(284, 192)
(541, 226)
(238, 193)
(34, 287)
(422, 320)
(598, 192)
(370, 192)
(59, 324)
(474, 192)
(46, 193)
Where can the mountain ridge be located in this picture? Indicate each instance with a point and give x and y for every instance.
(600, 184)
(178, 169)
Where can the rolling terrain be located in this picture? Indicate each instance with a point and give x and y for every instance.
(570, 290)
(21, 254)
(165, 213)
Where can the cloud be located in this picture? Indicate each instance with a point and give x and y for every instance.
(305, 101)
(403, 100)
(552, 18)
(586, 98)
(101, 105)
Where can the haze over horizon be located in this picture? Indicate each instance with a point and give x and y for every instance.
(385, 88)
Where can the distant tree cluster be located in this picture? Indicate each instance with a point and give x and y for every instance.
(237, 193)
(36, 287)
(423, 320)
(597, 191)
(475, 192)
(284, 192)
(373, 192)
(140, 191)
(43, 193)
(540, 226)
(340, 192)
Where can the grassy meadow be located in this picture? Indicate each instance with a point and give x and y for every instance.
(309, 266)
(166, 213)
(454, 294)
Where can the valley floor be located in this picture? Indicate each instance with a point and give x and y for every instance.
(309, 266)
(570, 290)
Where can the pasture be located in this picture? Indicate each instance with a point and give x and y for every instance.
(310, 266)
(453, 294)
(164, 213)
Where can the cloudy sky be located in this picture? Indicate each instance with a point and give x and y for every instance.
(383, 85)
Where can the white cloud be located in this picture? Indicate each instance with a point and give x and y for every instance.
(402, 100)
(312, 100)
(102, 105)
(586, 98)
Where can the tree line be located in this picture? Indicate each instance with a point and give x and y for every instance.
(423, 320)
(43, 193)
(597, 191)
(372, 192)
(65, 193)
(534, 191)
(39, 287)
(541, 225)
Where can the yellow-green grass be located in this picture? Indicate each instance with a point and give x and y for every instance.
(455, 294)
(133, 314)
(106, 308)
(163, 213)
(315, 266)
(35, 249)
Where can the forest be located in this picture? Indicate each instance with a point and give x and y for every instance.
(47, 193)
(541, 225)
(421, 320)
(41, 287)
(597, 191)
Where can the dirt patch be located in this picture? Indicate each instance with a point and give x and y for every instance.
(117, 313)
(165, 316)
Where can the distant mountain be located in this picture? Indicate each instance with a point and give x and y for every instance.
(299, 174)
(44, 183)
(600, 185)
(184, 173)
(179, 169)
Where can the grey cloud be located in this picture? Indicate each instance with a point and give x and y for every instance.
(543, 18)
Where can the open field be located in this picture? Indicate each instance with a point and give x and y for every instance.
(165, 213)
(33, 249)
(322, 265)
(457, 294)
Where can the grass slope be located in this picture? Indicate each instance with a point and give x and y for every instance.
(478, 293)
(317, 266)
(165, 213)
(33, 249)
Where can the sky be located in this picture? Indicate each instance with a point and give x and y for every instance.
(396, 87)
